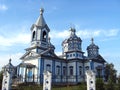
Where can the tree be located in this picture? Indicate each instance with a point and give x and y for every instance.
(110, 73)
(110, 85)
(1, 77)
(119, 82)
(99, 84)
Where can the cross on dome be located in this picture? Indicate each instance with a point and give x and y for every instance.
(72, 31)
(10, 60)
(41, 11)
(92, 40)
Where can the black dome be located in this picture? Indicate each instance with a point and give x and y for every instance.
(92, 45)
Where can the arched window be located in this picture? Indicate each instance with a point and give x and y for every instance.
(48, 67)
(71, 70)
(33, 36)
(44, 35)
(58, 70)
(64, 70)
(80, 70)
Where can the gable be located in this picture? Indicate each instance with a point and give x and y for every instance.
(28, 55)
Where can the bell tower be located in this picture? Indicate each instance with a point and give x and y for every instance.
(40, 32)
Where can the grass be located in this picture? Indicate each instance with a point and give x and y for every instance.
(37, 87)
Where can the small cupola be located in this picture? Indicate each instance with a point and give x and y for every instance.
(92, 49)
(9, 67)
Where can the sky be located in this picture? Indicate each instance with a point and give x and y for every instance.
(99, 19)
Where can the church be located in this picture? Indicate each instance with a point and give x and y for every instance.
(69, 67)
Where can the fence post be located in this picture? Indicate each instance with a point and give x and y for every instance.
(90, 80)
(47, 80)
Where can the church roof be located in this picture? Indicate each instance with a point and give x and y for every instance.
(98, 58)
(72, 37)
(92, 45)
(9, 65)
(40, 21)
(29, 65)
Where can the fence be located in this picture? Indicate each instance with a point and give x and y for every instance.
(56, 79)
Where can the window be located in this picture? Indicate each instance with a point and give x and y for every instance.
(58, 70)
(73, 54)
(48, 67)
(44, 35)
(70, 55)
(77, 55)
(80, 70)
(64, 70)
(67, 56)
(71, 70)
(80, 55)
(33, 36)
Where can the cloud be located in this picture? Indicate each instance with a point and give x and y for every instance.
(4, 59)
(86, 33)
(21, 38)
(57, 34)
(3, 7)
(58, 53)
(110, 33)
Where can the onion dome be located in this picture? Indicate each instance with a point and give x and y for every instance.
(92, 49)
(73, 42)
(72, 37)
(92, 45)
(9, 67)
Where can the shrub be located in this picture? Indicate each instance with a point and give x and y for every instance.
(99, 84)
(110, 85)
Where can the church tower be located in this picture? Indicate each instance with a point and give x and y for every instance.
(40, 40)
(92, 49)
(40, 32)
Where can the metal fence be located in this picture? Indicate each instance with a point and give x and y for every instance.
(56, 79)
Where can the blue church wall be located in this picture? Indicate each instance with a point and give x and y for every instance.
(41, 70)
(92, 65)
(47, 65)
(79, 71)
(53, 70)
(74, 55)
(76, 72)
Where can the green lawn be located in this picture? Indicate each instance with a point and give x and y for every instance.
(36, 87)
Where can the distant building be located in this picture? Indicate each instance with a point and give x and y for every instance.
(70, 67)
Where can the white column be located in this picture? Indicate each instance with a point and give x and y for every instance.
(90, 76)
(7, 80)
(47, 80)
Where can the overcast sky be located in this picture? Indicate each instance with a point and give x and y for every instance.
(99, 19)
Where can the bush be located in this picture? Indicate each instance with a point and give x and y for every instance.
(119, 83)
(1, 77)
(99, 84)
(110, 85)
